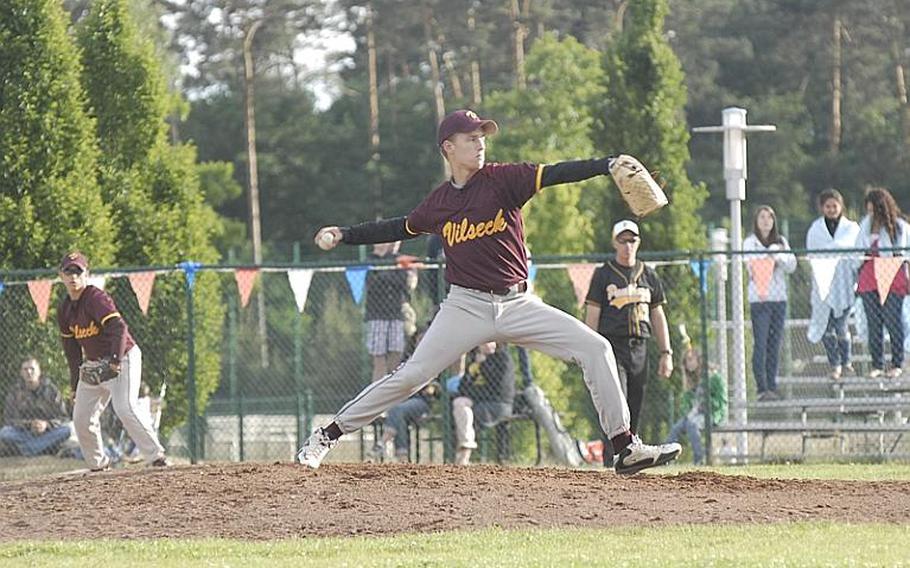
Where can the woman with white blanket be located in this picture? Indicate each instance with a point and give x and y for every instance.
(883, 228)
(834, 280)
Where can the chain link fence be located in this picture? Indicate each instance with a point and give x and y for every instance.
(816, 368)
(241, 363)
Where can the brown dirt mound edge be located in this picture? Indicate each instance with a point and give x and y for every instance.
(284, 500)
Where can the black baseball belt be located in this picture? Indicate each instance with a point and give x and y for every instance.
(518, 288)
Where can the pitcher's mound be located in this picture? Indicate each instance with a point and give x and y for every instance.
(283, 500)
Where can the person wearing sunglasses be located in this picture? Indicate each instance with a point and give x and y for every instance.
(625, 305)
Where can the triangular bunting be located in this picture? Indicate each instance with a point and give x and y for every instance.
(885, 271)
(357, 277)
(532, 272)
(40, 291)
(142, 283)
(696, 266)
(580, 275)
(97, 281)
(823, 270)
(245, 278)
(300, 280)
(762, 270)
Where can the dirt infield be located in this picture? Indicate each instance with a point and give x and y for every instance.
(281, 500)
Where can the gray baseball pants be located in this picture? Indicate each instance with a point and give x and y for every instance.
(468, 318)
(91, 400)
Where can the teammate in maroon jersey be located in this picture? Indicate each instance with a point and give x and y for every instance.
(92, 329)
(477, 212)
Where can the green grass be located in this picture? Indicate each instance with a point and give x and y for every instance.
(805, 544)
(855, 471)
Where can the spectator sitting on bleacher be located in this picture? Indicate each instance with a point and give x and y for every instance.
(395, 428)
(882, 228)
(828, 324)
(35, 417)
(693, 403)
(486, 394)
(767, 297)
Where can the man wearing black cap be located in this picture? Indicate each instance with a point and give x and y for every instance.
(93, 331)
(477, 212)
(625, 305)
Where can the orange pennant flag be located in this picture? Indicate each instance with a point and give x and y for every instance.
(408, 261)
(580, 275)
(245, 277)
(40, 291)
(885, 271)
(142, 283)
(762, 270)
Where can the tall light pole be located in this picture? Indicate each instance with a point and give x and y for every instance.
(734, 128)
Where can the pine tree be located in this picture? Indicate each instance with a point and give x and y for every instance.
(154, 191)
(49, 202)
(644, 116)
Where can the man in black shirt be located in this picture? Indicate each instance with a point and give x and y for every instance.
(387, 292)
(625, 305)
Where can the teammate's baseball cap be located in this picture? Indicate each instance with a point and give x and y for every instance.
(625, 225)
(463, 121)
(72, 259)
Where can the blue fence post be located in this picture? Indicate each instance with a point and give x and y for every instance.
(705, 378)
(190, 268)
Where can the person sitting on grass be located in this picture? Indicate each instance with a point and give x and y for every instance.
(35, 417)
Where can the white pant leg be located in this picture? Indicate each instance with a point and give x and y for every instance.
(526, 320)
(125, 395)
(91, 400)
(462, 323)
(463, 416)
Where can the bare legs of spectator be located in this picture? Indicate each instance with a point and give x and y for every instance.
(385, 364)
(465, 437)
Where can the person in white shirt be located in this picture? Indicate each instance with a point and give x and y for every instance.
(834, 280)
(767, 297)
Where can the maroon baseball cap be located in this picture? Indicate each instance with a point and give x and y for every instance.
(464, 121)
(74, 259)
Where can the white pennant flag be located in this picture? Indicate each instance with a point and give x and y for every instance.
(97, 281)
(823, 270)
(300, 280)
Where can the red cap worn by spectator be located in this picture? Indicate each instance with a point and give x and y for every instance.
(463, 121)
(74, 259)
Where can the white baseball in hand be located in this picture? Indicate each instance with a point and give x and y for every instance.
(326, 240)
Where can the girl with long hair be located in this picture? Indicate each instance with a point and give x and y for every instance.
(883, 228)
(767, 297)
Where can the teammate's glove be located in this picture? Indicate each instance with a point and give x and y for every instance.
(639, 190)
(97, 371)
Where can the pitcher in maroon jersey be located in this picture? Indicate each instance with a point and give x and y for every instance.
(477, 212)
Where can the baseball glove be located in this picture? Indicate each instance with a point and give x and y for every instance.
(96, 372)
(639, 190)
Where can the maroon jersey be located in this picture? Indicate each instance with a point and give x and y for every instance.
(94, 322)
(481, 225)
